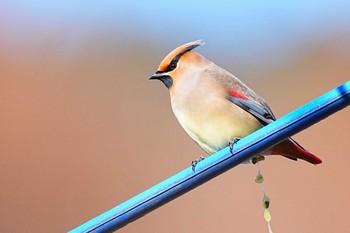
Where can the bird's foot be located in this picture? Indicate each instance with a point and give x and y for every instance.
(230, 144)
(195, 162)
(257, 159)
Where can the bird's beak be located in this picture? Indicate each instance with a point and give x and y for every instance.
(156, 75)
(162, 76)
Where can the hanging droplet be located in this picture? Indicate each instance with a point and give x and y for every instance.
(267, 215)
(266, 202)
(259, 178)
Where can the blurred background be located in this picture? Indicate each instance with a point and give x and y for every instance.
(82, 129)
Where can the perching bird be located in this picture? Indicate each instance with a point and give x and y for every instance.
(214, 107)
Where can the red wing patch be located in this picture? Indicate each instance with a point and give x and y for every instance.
(237, 94)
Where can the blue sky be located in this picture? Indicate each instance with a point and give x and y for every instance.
(250, 29)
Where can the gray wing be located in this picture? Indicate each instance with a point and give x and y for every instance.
(241, 95)
(261, 113)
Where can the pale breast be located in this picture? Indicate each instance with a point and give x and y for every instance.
(208, 116)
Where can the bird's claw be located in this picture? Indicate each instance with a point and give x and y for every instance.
(230, 144)
(195, 162)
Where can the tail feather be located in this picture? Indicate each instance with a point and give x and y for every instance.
(292, 150)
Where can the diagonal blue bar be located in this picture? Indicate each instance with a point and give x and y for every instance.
(220, 162)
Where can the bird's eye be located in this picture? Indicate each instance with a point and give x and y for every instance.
(173, 65)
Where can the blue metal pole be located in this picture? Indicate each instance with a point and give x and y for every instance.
(220, 162)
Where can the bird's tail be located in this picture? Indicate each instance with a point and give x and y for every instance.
(291, 149)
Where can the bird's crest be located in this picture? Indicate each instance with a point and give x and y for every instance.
(170, 61)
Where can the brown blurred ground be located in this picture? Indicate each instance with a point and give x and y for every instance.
(80, 135)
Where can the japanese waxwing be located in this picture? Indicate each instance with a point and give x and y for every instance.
(214, 107)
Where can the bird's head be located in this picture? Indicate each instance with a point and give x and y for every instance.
(177, 63)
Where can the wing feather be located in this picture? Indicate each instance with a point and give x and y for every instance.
(260, 112)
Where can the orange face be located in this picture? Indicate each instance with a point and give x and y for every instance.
(177, 53)
(168, 70)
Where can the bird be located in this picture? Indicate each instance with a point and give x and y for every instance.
(215, 108)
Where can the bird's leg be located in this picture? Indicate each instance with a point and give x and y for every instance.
(195, 162)
(230, 144)
(257, 159)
